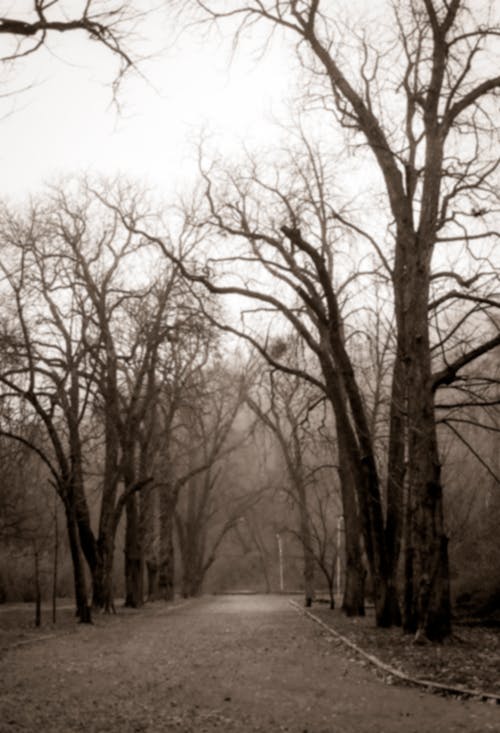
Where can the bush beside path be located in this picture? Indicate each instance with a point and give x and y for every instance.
(226, 663)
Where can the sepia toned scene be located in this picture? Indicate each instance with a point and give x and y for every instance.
(249, 366)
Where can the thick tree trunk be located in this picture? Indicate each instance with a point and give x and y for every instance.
(353, 600)
(133, 556)
(102, 595)
(82, 607)
(431, 595)
(166, 571)
(148, 540)
(409, 618)
(152, 574)
(77, 489)
(395, 485)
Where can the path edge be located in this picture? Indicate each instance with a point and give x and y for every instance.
(416, 681)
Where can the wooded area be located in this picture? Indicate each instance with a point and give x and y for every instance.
(304, 352)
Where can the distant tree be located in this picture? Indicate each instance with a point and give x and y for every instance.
(211, 505)
(26, 521)
(325, 513)
(190, 349)
(283, 405)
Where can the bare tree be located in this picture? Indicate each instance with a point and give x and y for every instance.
(419, 97)
(42, 373)
(245, 205)
(212, 504)
(81, 356)
(325, 516)
(283, 407)
(130, 323)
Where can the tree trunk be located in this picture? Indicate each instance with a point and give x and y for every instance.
(82, 607)
(353, 600)
(409, 618)
(166, 577)
(147, 539)
(152, 574)
(353, 603)
(133, 556)
(395, 485)
(431, 599)
(102, 595)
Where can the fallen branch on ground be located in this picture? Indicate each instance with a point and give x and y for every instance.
(428, 684)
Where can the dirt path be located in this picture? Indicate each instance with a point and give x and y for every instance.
(234, 664)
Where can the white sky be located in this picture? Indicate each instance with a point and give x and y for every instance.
(65, 122)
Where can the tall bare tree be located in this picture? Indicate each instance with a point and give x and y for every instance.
(212, 503)
(420, 98)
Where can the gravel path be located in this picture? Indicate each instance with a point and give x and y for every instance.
(229, 663)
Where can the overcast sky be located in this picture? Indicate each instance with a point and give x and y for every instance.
(65, 121)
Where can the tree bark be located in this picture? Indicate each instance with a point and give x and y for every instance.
(166, 570)
(102, 595)
(395, 484)
(153, 584)
(430, 587)
(82, 607)
(353, 599)
(148, 540)
(133, 556)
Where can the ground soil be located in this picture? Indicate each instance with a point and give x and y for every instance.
(225, 663)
